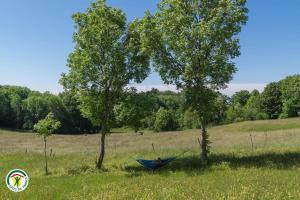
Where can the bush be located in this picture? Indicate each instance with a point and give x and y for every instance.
(165, 120)
(189, 120)
(262, 116)
(235, 113)
(283, 116)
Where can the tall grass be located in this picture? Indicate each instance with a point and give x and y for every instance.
(271, 170)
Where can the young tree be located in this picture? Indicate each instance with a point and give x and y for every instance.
(107, 56)
(193, 43)
(46, 127)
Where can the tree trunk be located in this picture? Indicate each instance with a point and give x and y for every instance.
(45, 151)
(102, 151)
(104, 129)
(204, 142)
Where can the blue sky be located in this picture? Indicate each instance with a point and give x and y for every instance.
(36, 38)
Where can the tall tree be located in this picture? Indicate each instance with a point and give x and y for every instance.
(241, 97)
(192, 43)
(16, 105)
(271, 100)
(76, 123)
(290, 91)
(5, 109)
(36, 108)
(253, 109)
(107, 56)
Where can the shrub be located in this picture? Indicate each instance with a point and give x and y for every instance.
(165, 120)
(261, 116)
(189, 120)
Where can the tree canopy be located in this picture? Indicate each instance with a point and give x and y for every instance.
(107, 56)
(47, 126)
(192, 44)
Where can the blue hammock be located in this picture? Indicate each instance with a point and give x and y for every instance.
(155, 164)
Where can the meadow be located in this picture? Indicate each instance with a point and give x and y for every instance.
(248, 160)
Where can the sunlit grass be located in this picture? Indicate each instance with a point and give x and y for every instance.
(236, 170)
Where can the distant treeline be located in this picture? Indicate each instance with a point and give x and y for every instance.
(278, 100)
(21, 108)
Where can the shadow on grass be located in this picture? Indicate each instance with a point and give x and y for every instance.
(16, 130)
(191, 164)
(84, 170)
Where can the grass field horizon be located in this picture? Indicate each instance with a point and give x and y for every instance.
(266, 168)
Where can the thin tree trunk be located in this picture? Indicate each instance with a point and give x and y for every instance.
(102, 151)
(204, 142)
(45, 151)
(104, 130)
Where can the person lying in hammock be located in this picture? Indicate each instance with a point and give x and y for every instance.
(158, 161)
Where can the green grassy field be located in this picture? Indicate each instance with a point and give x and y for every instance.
(267, 168)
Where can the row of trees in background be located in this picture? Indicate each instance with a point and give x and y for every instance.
(163, 111)
(21, 108)
(278, 100)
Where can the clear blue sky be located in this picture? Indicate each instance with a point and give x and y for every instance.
(36, 38)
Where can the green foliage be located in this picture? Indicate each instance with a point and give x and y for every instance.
(219, 109)
(261, 116)
(170, 100)
(47, 126)
(271, 100)
(192, 44)
(189, 120)
(246, 106)
(278, 100)
(241, 97)
(22, 108)
(73, 121)
(290, 89)
(234, 113)
(36, 108)
(16, 106)
(181, 35)
(5, 111)
(107, 57)
(134, 109)
(11, 111)
(165, 120)
(253, 107)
